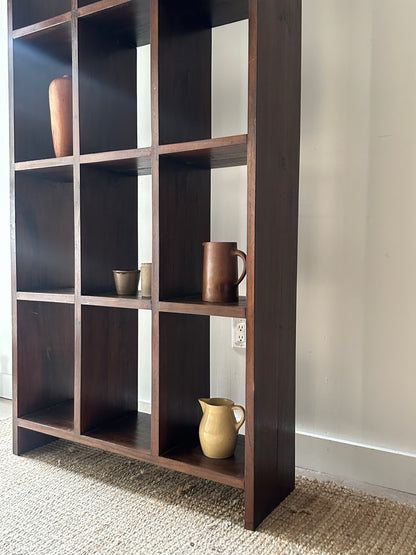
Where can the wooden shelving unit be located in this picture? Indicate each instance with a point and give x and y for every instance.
(74, 219)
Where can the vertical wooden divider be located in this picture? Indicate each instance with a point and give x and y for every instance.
(77, 220)
(181, 50)
(154, 84)
(13, 229)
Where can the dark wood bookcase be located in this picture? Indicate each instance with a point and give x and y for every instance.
(74, 219)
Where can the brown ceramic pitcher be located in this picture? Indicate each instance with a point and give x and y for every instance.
(220, 274)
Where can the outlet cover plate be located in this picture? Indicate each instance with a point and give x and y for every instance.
(238, 333)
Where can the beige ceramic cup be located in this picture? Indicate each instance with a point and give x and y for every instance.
(126, 281)
(146, 276)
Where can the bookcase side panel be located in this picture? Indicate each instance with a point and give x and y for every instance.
(274, 135)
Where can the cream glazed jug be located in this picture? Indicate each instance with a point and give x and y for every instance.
(218, 429)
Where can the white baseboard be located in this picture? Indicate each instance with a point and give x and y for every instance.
(358, 462)
(6, 386)
(145, 406)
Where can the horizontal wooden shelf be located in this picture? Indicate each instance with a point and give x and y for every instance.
(54, 168)
(194, 305)
(192, 461)
(221, 152)
(56, 420)
(41, 27)
(131, 431)
(127, 19)
(90, 7)
(50, 296)
(111, 299)
(131, 162)
(130, 435)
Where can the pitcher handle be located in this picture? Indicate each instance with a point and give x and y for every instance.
(243, 416)
(236, 252)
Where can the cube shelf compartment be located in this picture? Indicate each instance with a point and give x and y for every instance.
(75, 219)
(109, 379)
(107, 75)
(44, 215)
(38, 59)
(45, 386)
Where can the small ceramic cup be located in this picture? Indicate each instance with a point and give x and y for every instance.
(146, 277)
(126, 281)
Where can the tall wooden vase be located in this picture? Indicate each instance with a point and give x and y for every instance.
(60, 104)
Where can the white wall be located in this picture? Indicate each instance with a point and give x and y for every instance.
(356, 368)
(5, 296)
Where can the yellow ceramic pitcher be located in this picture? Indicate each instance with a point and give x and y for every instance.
(219, 428)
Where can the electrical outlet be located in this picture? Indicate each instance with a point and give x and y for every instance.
(239, 333)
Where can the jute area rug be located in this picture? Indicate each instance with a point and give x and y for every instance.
(69, 499)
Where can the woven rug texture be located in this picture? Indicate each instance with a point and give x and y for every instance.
(65, 498)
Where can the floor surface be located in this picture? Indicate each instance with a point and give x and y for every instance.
(5, 408)
(394, 495)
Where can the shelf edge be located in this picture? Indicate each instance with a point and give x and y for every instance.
(115, 302)
(43, 164)
(192, 146)
(67, 298)
(115, 155)
(40, 26)
(62, 433)
(100, 6)
(202, 309)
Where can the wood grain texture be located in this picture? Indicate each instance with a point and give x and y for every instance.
(108, 364)
(93, 6)
(45, 355)
(129, 436)
(194, 305)
(44, 234)
(52, 168)
(184, 74)
(60, 416)
(130, 162)
(77, 220)
(132, 430)
(184, 224)
(52, 296)
(113, 300)
(209, 153)
(108, 228)
(12, 225)
(227, 471)
(107, 91)
(26, 440)
(183, 377)
(274, 137)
